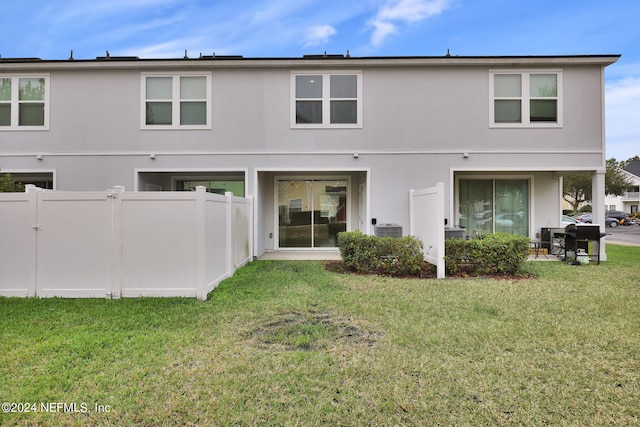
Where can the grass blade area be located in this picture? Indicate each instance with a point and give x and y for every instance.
(288, 343)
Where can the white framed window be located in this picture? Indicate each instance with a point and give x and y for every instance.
(24, 102)
(176, 101)
(525, 98)
(330, 99)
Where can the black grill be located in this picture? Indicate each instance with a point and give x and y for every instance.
(578, 236)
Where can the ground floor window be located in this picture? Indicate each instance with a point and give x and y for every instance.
(494, 205)
(39, 179)
(213, 185)
(218, 182)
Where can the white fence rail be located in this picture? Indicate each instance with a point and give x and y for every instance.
(426, 222)
(121, 244)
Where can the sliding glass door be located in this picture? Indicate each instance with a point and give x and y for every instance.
(494, 205)
(311, 212)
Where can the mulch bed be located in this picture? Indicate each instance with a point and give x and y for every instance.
(428, 272)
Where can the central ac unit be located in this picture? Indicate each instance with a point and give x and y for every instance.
(388, 230)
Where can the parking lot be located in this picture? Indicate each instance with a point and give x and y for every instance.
(624, 235)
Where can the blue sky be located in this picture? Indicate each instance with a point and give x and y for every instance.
(50, 29)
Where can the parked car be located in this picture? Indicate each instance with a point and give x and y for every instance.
(585, 217)
(622, 217)
(566, 220)
(611, 222)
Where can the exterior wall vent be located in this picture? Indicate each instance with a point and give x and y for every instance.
(388, 230)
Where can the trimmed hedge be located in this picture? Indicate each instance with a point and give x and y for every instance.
(499, 253)
(381, 255)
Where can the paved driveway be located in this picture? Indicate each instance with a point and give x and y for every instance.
(624, 235)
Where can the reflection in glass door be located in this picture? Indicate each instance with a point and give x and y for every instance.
(494, 205)
(311, 212)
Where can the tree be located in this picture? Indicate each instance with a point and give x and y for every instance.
(615, 181)
(8, 185)
(577, 187)
(623, 164)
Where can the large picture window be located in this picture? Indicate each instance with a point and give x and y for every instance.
(24, 102)
(176, 101)
(326, 99)
(526, 99)
(494, 205)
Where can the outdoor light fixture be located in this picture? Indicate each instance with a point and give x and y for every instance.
(152, 156)
(465, 155)
(39, 157)
(356, 155)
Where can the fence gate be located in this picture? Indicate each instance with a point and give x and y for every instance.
(73, 248)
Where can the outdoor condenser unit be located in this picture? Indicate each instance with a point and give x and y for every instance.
(388, 230)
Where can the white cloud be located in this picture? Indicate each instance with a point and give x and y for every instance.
(623, 117)
(396, 12)
(382, 30)
(318, 35)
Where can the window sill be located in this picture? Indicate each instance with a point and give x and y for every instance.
(525, 126)
(319, 126)
(176, 127)
(23, 128)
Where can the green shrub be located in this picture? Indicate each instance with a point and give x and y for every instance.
(381, 255)
(499, 253)
(8, 185)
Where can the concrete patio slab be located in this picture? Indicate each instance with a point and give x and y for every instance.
(301, 255)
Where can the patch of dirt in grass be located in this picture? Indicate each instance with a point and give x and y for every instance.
(312, 330)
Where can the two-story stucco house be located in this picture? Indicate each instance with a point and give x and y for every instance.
(628, 202)
(322, 143)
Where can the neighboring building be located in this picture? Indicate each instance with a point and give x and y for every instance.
(630, 200)
(322, 143)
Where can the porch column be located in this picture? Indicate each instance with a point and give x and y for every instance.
(597, 202)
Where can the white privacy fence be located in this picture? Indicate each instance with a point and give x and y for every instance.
(121, 244)
(426, 222)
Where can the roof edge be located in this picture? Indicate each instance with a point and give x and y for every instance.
(232, 61)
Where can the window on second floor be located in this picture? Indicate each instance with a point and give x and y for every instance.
(326, 99)
(526, 99)
(24, 102)
(180, 101)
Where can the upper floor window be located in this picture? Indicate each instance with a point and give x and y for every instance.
(328, 99)
(176, 101)
(24, 102)
(526, 99)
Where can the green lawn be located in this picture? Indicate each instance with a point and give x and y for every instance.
(288, 343)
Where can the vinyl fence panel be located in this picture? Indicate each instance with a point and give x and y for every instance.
(120, 244)
(217, 266)
(427, 223)
(242, 236)
(159, 253)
